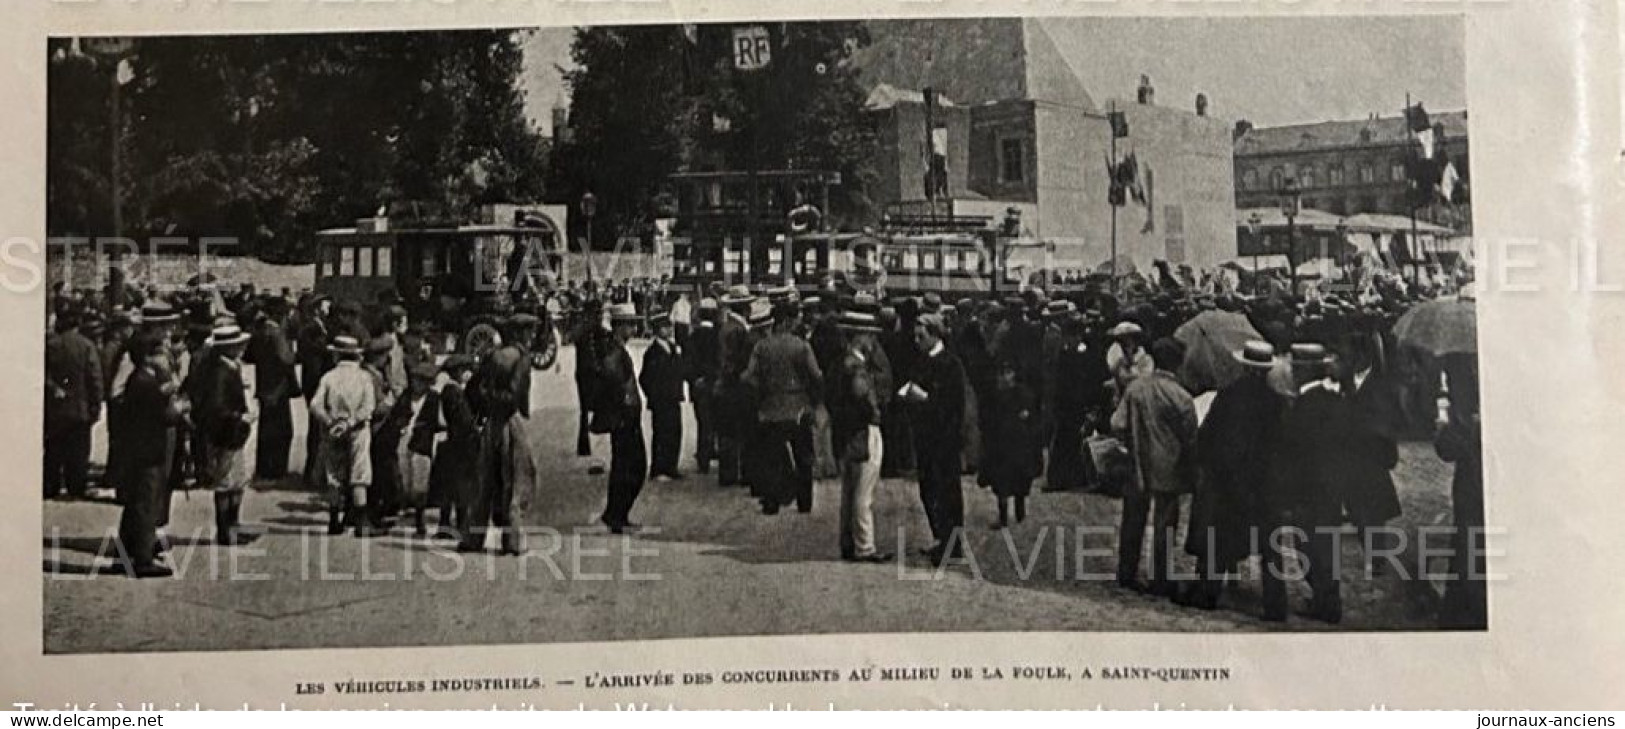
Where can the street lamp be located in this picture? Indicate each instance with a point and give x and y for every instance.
(1254, 221)
(1291, 203)
(589, 209)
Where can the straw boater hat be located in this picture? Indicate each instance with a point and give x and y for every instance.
(1256, 353)
(158, 311)
(344, 344)
(708, 304)
(737, 294)
(781, 293)
(761, 317)
(623, 313)
(1125, 329)
(858, 322)
(1309, 354)
(227, 335)
(1059, 308)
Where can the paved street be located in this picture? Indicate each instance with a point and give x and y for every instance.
(708, 564)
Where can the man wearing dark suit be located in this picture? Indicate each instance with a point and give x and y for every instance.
(935, 396)
(1312, 468)
(701, 360)
(315, 359)
(275, 383)
(732, 410)
(1373, 449)
(662, 382)
(73, 404)
(622, 407)
(150, 415)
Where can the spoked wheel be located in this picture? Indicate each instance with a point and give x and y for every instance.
(547, 350)
(480, 340)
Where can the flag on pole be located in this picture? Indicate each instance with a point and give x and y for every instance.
(1119, 122)
(1416, 118)
(1150, 202)
(1448, 181)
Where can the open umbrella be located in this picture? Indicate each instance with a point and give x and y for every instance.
(1211, 338)
(1440, 327)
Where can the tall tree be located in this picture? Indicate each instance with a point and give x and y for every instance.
(269, 138)
(648, 101)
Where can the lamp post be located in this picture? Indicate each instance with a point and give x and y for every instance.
(1290, 204)
(1254, 221)
(589, 210)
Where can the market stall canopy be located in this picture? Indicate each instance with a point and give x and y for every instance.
(1273, 261)
(1274, 219)
(1380, 223)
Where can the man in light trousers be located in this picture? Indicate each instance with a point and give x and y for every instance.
(856, 398)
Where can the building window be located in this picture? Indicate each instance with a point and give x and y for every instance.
(347, 261)
(431, 262)
(1367, 175)
(1334, 174)
(1277, 179)
(1175, 252)
(363, 262)
(1396, 172)
(1249, 180)
(383, 262)
(1306, 177)
(1012, 161)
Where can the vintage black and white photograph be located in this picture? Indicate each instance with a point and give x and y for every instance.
(623, 333)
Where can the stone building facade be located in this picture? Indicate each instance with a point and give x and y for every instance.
(1023, 132)
(1348, 167)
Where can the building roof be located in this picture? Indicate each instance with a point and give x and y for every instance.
(1335, 134)
(973, 60)
(886, 96)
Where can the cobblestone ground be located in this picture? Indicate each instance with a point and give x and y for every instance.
(707, 564)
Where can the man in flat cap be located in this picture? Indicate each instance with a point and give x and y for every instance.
(500, 394)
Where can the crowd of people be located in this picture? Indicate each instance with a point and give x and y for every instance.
(1083, 392)
(1080, 392)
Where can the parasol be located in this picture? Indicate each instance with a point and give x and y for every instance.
(1211, 338)
(1440, 327)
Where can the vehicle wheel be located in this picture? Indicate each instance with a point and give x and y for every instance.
(547, 352)
(480, 339)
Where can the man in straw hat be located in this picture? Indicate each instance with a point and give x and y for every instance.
(859, 388)
(732, 409)
(224, 423)
(701, 362)
(1235, 501)
(662, 381)
(622, 407)
(1311, 465)
(341, 410)
(148, 415)
(784, 374)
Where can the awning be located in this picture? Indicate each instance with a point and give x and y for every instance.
(1273, 261)
(1268, 219)
(1381, 223)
